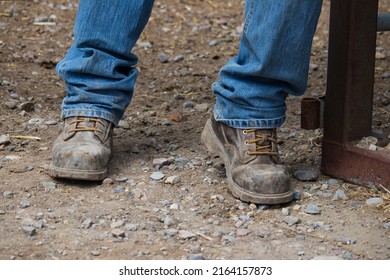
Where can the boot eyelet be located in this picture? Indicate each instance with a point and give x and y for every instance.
(245, 131)
(246, 142)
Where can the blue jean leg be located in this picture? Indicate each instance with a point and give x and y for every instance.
(99, 69)
(272, 62)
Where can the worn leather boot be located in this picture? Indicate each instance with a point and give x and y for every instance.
(82, 150)
(251, 161)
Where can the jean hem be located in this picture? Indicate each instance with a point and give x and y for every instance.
(253, 123)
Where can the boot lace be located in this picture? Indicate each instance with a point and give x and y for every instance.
(78, 127)
(265, 143)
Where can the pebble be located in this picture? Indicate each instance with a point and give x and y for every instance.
(242, 232)
(7, 194)
(95, 253)
(297, 195)
(202, 107)
(346, 241)
(285, 211)
(163, 58)
(290, 220)
(312, 209)
(168, 221)
(123, 124)
(306, 175)
(326, 258)
(117, 224)
(118, 189)
(160, 162)
(49, 185)
(11, 104)
(195, 249)
(185, 234)
(29, 230)
(157, 176)
(188, 104)
(25, 204)
(374, 201)
(386, 225)
(339, 194)
(116, 232)
(131, 227)
(178, 58)
(5, 139)
(196, 257)
(27, 106)
(172, 180)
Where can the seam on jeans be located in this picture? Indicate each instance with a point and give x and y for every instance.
(248, 20)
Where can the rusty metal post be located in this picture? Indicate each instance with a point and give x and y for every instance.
(349, 95)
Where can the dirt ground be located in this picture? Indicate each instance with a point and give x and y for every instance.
(189, 213)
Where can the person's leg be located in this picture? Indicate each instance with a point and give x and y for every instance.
(100, 74)
(272, 62)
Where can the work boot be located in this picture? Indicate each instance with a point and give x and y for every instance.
(252, 162)
(82, 150)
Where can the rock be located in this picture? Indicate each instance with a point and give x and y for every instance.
(172, 180)
(160, 162)
(29, 230)
(346, 241)
(312, 209)
(131, 227)
(297, 195)
(25, 204)
(185, 234)
(11, 104)
(118, 189)
(242, 232)
(196, 257)
(117, 224)
(157, 176)
(48, 186)
(290, 220)
(386, 225)
(116, 232)
(285, 211)
(326, 258)
(188, 105)
(306, 175)
(202, 107)
(7, 194)
(339, 194)
(374, 201)
(5, 139)
(178, 58)
(163, 57)
(95, 253)
(123, 124)
(87, 223)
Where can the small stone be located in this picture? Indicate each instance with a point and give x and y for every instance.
(11, 104)
(195, 249)
(118, 189)
(188, 105)
(297, 195)
(312, 209)
(172, 180)
(157, 176)
(174, 206)
(213, 42)
(178, 58)
(87, 223)
(301, 253)
(196, 257)
(131, 227)
(118, 233)
(202, 107)
(242, 232)
(285, 211)
(263, 207)
(108, 181)
(7, 194)
(25, 204)
(185, 234)
(160, 162)
(117, 224)
(290, 220)
(163, 58)
(49, 185)
(326, 258)
(339, 194)
(386, 225)
(5, 139)
(95, 253)
(123, 124)
(346, 241)
(29, 230)
(168, 221)
(374, 201)
(306, 175)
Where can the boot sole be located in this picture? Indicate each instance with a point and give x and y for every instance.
(216, 147)
(76, 174)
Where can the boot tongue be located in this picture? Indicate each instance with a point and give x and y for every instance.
(77, 125)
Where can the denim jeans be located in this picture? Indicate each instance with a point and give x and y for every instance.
(272, 61)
